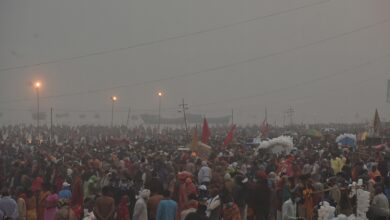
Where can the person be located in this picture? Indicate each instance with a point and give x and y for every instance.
(31, 206)
(192, 206)
(41, 205)
(153, 204)
(21, 202)
(374, 173)
(8, 206)
(51, 204)
(65, 192)
(231, 210)
(289, 207)
(308, 201)
(262, 199)
(214, 206)
(204, 174)
(64, 212)
(77, 196)
(380, 205)
(167, 208)
(140, 208)
(123, 209)
(105, 205)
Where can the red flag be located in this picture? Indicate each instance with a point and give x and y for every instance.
(264, 129)
(229, 136)
(205, 132)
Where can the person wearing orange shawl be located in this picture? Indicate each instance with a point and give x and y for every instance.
(77, 196)
(308, 201)
(42, 195)
(31, 206)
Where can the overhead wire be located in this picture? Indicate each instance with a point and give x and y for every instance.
(213, 69)
(148, 43)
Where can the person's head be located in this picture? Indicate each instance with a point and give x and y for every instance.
(106, 191)
(166, 194)
(46, 186)
(145, 194)
(5, 192)
(373, 169)
(378, 179)
(19, 191)
(378, 190)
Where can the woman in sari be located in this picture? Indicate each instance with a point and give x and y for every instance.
(77, 196)
(41, 205)
(31, 206)
(51, 205)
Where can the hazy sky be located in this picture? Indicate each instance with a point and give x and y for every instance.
(329, 59)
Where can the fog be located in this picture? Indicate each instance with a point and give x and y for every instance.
(326, 59)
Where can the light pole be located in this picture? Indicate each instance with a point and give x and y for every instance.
(160, 94)
(113, 98)
(37, 85)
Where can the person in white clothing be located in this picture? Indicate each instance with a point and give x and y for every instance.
(289, 208)
(204, 174)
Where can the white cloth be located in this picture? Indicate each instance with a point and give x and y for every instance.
(289, 210)
(380, 206)
(212, 204)
(140, 210)
(204, 175)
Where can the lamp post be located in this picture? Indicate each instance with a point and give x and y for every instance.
(113, 98)
(37, 85)
(160, 94)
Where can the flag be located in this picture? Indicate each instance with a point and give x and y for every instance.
(376, 122)
(229, 136)
(264, 129)
(205, 132)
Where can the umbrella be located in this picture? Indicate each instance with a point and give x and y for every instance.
(346, 140)
(313, 133)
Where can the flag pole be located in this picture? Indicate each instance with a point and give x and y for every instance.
(232, 116)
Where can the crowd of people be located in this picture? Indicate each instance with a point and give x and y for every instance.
(103, 173)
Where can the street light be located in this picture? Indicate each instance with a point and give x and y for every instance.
(37, 86)
(114, 99)
(159, 94)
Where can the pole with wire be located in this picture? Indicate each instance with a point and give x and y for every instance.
(113, 98)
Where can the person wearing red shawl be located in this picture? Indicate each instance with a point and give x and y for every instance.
(180, 195)
(190, 187)
(123, 209)
(42, 195)
(77, 196)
